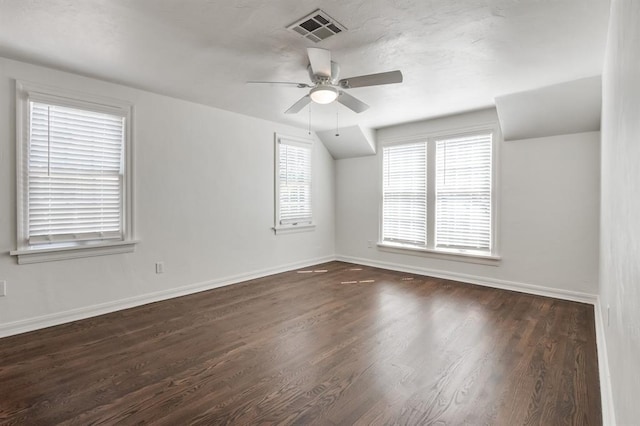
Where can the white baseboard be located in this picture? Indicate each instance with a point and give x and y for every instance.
(608, 411)
(574, 296)
(31, 324)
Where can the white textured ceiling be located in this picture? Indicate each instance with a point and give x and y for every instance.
(455, 55)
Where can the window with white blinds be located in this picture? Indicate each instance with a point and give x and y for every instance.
(293, 182)
(437, 193)
(75, 174)
(404, 193)
(463, 192)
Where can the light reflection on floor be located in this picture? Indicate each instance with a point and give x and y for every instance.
(408, 321)
(412, 321)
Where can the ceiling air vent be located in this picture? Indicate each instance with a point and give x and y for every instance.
(317, 26)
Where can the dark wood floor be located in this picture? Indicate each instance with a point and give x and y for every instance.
(342, 344)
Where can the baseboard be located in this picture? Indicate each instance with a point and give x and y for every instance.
(44, 321)
(574, 296)
(31, 324)
(608, 411)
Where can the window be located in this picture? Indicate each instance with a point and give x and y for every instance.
(463, 193)
(405, 193)
(438, 194)
(293, 184)
(73, 175)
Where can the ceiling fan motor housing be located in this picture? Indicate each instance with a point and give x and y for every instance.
(317, 79)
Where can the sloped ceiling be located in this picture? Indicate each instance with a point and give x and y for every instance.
(564, 108)
(456, 55)
(349, 142)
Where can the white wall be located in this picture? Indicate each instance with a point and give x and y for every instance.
(620, 225)
(548, 211)
(204, 206)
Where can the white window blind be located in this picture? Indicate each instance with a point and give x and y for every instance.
(463, 192)
(294, 182)
(404, 204)
(75, 174)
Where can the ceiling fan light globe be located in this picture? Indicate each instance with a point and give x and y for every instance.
(323, 94)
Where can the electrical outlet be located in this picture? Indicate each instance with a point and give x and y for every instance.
(3, 288)
(370, 243)
(159, 267)
(608, 315)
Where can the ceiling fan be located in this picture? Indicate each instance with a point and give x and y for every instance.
(325, 86)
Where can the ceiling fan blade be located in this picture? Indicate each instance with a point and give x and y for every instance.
(302, 102)
(371, 79)
(280, 83)
(352, 103)
(320, 60)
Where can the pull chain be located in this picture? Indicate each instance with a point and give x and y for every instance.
(309, 119)
(337, 127)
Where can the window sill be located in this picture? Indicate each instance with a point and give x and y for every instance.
(292, 229)
(458, 256)
(62, 252)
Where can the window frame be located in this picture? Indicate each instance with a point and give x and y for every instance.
(287, 228)
(429, 250)
(26, 253)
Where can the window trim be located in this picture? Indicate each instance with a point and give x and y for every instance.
(488, 258)
(279, 228)
(26, 92)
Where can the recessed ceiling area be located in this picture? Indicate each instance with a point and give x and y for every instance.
(455, 55)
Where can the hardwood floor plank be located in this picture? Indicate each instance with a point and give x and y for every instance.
(352, 345)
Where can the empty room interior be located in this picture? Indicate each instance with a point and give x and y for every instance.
(331, 212)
